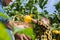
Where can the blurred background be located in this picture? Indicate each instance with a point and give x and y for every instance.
(38, 8)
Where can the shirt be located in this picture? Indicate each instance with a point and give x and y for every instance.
(1, 10)
(5, 20)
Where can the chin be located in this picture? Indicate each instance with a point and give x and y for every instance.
(5, 4)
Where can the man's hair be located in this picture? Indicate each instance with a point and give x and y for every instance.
(6, 2)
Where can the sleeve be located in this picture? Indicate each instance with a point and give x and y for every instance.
(2, 19)
(1, 10)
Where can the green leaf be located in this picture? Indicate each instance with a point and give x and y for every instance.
(26, 31)
(3, 15)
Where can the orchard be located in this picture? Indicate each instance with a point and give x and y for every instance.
(23, 11)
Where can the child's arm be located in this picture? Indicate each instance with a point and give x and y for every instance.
(34, 21)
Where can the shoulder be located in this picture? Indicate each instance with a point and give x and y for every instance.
(1, 10)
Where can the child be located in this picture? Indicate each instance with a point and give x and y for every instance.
(44, 28)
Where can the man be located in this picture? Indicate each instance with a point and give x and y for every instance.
(8, 23)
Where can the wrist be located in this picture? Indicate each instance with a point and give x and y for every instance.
(34, 21)
(8, 25)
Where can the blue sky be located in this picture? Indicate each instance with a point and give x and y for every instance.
(49, 6)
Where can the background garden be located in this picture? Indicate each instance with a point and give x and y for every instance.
(38, 9)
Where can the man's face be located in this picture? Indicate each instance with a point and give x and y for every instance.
(6, 2)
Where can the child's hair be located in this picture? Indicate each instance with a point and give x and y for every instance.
(44, 22)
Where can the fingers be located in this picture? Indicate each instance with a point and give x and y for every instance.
(21, 37)
(24, 37)
(28, 37)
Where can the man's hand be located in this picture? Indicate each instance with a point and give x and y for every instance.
(9, 24)
(19, 25)
(21, 37)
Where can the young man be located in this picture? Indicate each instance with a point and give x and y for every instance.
(7, 22)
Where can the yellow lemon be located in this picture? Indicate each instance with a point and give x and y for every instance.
(59, 32)
(55, 31)
(27, 18)
(54, 39)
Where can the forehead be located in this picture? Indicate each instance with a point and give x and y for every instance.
(8, 0)
(44, 19)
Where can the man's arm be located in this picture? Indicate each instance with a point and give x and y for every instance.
(4, 19)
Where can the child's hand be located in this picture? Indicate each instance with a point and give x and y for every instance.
(34, 21)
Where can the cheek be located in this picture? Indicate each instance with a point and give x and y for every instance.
(8, 1)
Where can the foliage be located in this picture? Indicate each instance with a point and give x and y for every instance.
(3, 16)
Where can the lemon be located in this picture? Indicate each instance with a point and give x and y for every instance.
(54, 39)
(55, 31)
(59, 32)
(27, 18)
